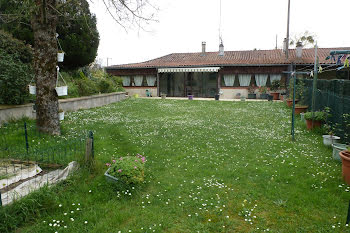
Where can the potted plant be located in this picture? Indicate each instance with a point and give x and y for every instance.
(283, 91)
(300, 95)
(61, 114)
(126, 171)
(60, 56)
(345, 157)
(275, 86)
(263, 92)
(251, 92)
(329, 138)
(289, 100)
(317, 118)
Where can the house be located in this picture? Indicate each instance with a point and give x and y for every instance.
(204, 74)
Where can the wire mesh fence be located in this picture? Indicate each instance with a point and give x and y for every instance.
(30, 159)
(334, 94)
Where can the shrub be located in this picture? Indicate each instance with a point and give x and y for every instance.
(129, 169)
(275, 85)
(318, 116)
(106, 86)
(15, 70)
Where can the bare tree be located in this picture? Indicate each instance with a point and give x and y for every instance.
(44, 16)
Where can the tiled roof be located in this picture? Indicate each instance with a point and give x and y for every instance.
(232, 58)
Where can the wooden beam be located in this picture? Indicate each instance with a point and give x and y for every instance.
(158, 86)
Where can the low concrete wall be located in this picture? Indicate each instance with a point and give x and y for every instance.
(141, 91)
(231, 93)
(73, 104)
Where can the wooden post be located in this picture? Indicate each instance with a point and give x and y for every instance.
(89, 149)
(218, 84)
(158, 94)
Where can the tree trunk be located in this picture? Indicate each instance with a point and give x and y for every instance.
(44, 21)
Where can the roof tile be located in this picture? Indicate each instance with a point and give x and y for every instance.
(233, 58)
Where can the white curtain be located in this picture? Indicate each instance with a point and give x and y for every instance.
(261, 80)
(244, 79)
(126, 81)
(229, 80)
(138, 80)
(151, 80)
(274, 77)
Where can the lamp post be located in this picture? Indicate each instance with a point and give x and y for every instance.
(287, 39)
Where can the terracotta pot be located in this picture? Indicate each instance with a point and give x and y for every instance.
(275, 95)
(281, 97)
(290, 102)
(317, 124)
(345, 157)
(300, 109)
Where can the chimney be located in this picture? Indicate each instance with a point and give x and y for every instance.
(299, 50)
(221, 49)
(203, 47)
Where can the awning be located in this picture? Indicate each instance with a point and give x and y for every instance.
(183, 70)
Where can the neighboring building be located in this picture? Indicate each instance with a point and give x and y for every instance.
(204, 74)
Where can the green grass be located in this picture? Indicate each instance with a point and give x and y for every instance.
(212, 167)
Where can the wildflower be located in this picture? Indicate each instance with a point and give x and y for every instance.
(60, 205)
(113, 160)
(135, 167)
(72, 219)
(86, 222)
(121, 158)
(108, 164)
(120, 170)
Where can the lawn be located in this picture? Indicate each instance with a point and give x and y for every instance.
(212, 166)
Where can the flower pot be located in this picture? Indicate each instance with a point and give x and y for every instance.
(251, 96)
(60, 57)
(275, 95)
(290, 102)
(163, 96)
(110, 178)
(328, 140)
(282, 96)
(317, 124)
(300, 109)
(190, 97)
(242, 98)
(337, 148)
(217, 97)
(61, 91)
(263, 96)
(270, 97)
(61, 116)
(32, 90)
(345, 158)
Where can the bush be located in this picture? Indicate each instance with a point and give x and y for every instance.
(106, 86)
(129, 169)
(15, 70)
(318, 116)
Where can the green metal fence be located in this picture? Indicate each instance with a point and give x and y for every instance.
(334, 94)
(22, 141)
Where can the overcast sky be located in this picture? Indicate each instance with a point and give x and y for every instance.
(184, 24)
